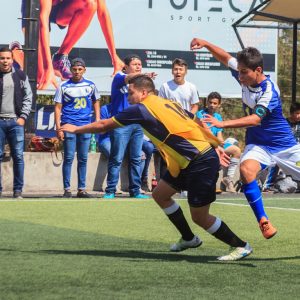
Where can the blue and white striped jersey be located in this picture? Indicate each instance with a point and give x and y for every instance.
(76, 99)
(274, 132)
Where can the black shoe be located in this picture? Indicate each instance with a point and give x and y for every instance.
(67, 194)
(18, 195)
(83, 194)
(0, 194)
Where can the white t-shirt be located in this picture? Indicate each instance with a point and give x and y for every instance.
(186, 94)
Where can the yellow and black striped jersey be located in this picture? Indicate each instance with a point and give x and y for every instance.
(171, 129)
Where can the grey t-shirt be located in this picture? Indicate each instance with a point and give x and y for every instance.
(8, 107)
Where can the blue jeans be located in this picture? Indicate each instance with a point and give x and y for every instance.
(14, 134)
(148, 149)
(131, 136)
(80, 143)
(104, 147)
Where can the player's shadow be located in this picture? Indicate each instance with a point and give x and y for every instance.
(163, 256)
(158, 256)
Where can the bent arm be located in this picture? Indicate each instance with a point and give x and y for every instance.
(194, 108)
(219, 54)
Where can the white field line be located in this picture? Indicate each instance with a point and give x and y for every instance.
(243, 205)
(219, 202)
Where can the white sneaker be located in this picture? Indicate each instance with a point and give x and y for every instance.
(229, 186)
(183, 194)
(183, 245)
(237, 253)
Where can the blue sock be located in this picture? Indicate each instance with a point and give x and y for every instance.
(254, 197)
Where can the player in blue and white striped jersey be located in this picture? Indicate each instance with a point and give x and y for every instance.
(269, 139)
(73, 104)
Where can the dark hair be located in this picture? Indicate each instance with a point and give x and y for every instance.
(251, 58)
(78, 61)
(294, 107)
(127, 59)
(5, 49)
(179, 61)
(143, 82)
(214, 95)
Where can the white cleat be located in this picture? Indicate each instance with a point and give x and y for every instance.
(182, 245)
(237, 253)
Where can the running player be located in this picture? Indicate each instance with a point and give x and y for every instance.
(269, 139)
(189, 151)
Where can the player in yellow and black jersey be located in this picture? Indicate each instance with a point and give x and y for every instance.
(192, 161)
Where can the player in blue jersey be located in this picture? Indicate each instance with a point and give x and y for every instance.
(190, 155)
(129, 137)
(103, 139)
(73, 104)
(269, 139)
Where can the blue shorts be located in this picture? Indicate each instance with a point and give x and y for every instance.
(230, 142)
(198, 179)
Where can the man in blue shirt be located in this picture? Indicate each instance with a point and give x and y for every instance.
(73, 104)
(269, 139)
(130, 136)
(103, 139)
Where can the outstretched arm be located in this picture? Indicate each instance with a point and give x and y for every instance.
(252, 120)
(218, 53)
(95, 127)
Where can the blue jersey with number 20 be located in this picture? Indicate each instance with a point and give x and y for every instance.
(76, 99)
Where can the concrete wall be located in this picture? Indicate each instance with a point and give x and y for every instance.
(43, 173)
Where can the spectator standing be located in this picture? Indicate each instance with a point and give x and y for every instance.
(230, 145)
(179, 89)
(129, 137)
(182, 91)
(73, 104)
(294, 120)
(148, 148)
(15, 106)
(104, 143)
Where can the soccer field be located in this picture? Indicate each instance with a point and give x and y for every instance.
(118, 249)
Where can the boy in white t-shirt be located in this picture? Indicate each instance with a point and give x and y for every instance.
(180, 90)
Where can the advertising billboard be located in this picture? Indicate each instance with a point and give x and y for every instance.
(159, 31)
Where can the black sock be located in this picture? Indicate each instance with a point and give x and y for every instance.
(179, 221)
(227, 236)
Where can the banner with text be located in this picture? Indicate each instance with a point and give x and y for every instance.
(157, 30)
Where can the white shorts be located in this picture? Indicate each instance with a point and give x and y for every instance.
(287, 160)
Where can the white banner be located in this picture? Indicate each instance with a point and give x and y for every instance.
(159, 31)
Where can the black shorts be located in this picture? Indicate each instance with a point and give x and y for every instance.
(198, 179)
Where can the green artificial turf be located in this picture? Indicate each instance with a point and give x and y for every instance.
(118, 249)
